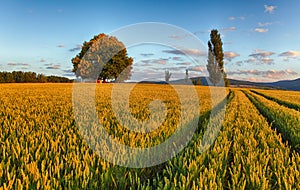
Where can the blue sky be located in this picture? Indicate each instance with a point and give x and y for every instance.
(261, 38)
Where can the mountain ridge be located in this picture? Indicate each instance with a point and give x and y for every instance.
(280, 85)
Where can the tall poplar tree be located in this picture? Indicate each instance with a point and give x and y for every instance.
(215, 62)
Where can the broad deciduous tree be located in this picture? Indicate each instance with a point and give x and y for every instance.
(103, 57)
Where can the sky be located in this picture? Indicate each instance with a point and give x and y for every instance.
(261, 39)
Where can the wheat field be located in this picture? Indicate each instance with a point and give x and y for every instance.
(257, 147)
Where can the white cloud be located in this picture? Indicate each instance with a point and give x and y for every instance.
(251, 60)
(160, 61)
(191, 52)
(229, 55)
(252, 79)
(17, 64)
(176, 36)
(286, 59)
(177, 58)
(179, 37)
(150, 62)
(196, 68)
(201, 32)
(291, 72)
(261, 57)
(234, 18)
(143, 64)
(184, 63)
(146, 54)
(267, 60)
(57, 66)
(258, 50)
(271, 74)
(179, 68)
(195, 52)
(77, 48)
(261, 24)
(290, 54)
(259, 53)
(261, 30)
(269, 9)
(230, 29)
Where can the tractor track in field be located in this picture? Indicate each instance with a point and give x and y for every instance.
(204, 118)
(280, 102)
(274, 122)
(230, 161)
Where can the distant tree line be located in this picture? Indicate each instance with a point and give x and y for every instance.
(30, 77)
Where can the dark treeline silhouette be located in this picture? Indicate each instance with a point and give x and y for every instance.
(30, 77)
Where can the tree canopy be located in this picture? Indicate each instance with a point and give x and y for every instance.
(103, 57)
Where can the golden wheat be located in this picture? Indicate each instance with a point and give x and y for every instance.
(41, 146)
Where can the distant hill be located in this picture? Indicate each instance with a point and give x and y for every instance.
(283, 84)
(287, 84)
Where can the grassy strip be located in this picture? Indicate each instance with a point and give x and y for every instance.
(279, 118)
(281, 102)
